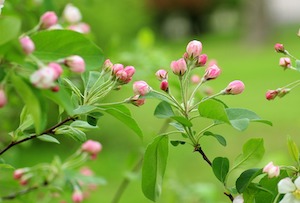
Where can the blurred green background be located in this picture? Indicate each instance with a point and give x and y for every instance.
(149, 34)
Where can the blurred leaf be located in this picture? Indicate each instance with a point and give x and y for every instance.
(220, 166)
(175, 143)
(155, 95)
(298, 65)
(76, 134)
(240, 118)
(82, 125)
(246, 178)
(178, 126)
(32, 101)
(48, 138)
(182, 120)
(84, 109)
(6, 166)
(93, 118)
(154, 166)
(10, 27)
(57, 44)
(126, 119)
(71, 174)
(61, 98)
(253, 151)
(220, 138)
(73, 87)
(92, 78)
(293, 149)
(163, 110)
(213, 109)
(250, 192)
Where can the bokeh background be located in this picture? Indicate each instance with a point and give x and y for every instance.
(149, 34)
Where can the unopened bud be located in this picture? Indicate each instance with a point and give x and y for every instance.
(164, 85)
(77, 196)
(75, 63)
(271, 170)
(71, 14)
(285, 62)
(235, 87)
(141, 88)
(194, 48)
(212, 72)
(107, 66)
(43, 78)
(161, 74)
(202, 59)
(271, 94)
(83, 28)
(56, 68)
(117, 67)
(48, 19)
(279, 48)
(179, 67)
(195, 79)
(3, 99)
(92, 147)
(27, 45)
(130, 70)
(135, 100)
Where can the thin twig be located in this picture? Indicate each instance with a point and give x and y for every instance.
(48, 131)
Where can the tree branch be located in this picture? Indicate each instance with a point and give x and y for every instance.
(48, 131)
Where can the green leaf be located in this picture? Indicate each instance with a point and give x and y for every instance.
(82, 125)
(240, 118)
(163, 110)
(10, 27)
(246, 178)
(220, 138)
(76, 134)
(154, 166)
(213, 109)
(182, 120)
(297, 65)
(48, 138)
(92, 79)
(93, 118)
(178, 126)
(6, 166)
(73, 87)
(220, 166)
(126, 119)
(175, 143)
(57, 44)
(61, 98)
(155, 95)
(84, 109)
(250, 192)
(253, 151)
(32, 101)
(293, 149)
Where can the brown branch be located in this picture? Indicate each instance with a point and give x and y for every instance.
(199, 149)
(48, 131)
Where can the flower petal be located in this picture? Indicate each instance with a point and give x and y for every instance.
(297, 182)
(286, 186)
(288, 198)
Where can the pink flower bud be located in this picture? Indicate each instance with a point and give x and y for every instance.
(122, 76)
(161, 74)
(56, 68)
(92, 147)
(48, 19)
(271, 170)
(130, 70)
(194, 48)
(107, 66)
(164, 85)
(3, 99)
(43, 78)
(279, 48)
(212, 72)
(77, 196)
(72, 14)
(117, 67)
(135, 100)
(235, 87)
(141, 88)
(202, 59)
(179, 67)
(285, 62)
(55, 88)
(83, 28)
(19, 173)
(27, 45)
(195, 79)
(271, 94)
(212, 62)
(86, 171)
(75, 63)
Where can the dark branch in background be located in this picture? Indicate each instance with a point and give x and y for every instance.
(199, 149)
(48, 131)
(23, 192)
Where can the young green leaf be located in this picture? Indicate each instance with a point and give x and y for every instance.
(220, 166)
(154, 166)
(240, 118)
(213, 109)
(220, 138)
(253, 151)
(182, 120)
(9, 32)
(175, 143)
(153, 94)
(246, 178)
(293, 149)
(48, 138)
(163, 110)
(84, 109)
(82, 125)
(57, 44)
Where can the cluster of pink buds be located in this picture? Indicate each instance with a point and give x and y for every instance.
(72, 15)
(271, 170)
(92, 147)
(22, 175)
(162, 75)
(193, 53)
(121, 74)
(280, 92)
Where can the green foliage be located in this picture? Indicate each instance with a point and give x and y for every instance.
(220, 138)
(58, 44)
(220, 166)
(213, 109)
(246, 178)
(293, 150)
(9, 32)
(154, 166)
(48, 138)
(163, 110)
